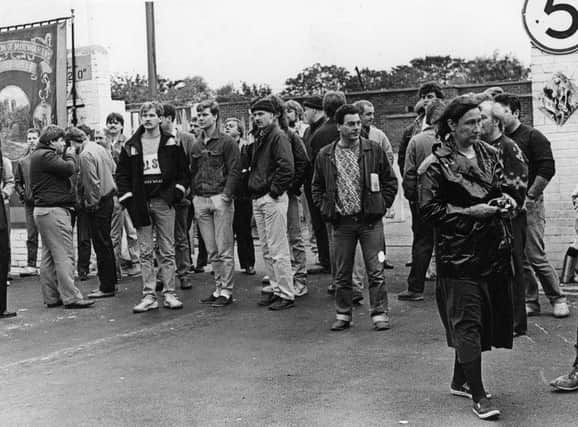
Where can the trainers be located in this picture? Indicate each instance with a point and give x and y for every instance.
(171, 301)
(266, 280)
(566, 382)
(209, 300)
(149, 302)
(267, 298)
(464, 391)
(410, 296)
(485, 410)
(560, 309)
(222, 301)
(186, 282)
(301, 290)
(340, 325)
(532, 310)
(282, 304)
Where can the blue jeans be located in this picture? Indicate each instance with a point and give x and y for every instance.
(215, 219)
(296, 243)
(163, 223)
(536, 265)
(182, 244)
(346, 234)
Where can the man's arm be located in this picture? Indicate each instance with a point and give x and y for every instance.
(387, 180)
(284, 167)
(409, 182)
(7, 179)
(19, 182)
(300, 160)
(318, 183)
(60, 165)
(90, 180)
(544, 163)
(124, 176)
(232, 159)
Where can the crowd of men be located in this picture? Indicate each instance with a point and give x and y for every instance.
(324, 155)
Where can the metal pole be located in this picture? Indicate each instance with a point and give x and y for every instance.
(73, 89)
(360, 78)
(151, 50)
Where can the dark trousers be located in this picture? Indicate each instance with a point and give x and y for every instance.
(99, 224)
(31, 236)
(346, 233)
(421, 250)
(83, 241)
(243, 233)
(4, 265)
(519, 282)
(319, 229)
(202, 256)
(190, 218)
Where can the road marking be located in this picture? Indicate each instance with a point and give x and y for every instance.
(565, 340)
(542, 329)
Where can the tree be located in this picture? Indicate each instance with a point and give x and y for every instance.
(131, 89)
(317, 79)
(247, 92)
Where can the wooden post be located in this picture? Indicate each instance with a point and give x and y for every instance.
(151, 50)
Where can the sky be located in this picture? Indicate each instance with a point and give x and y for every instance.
(258, 41)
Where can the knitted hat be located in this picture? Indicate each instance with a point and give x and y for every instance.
(315, 102)
(263, 104)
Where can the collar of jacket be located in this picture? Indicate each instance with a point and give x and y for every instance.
(363, 146)
(44, 146)
(215, 135)
(136, 143)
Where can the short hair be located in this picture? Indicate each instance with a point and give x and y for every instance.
(455, 110)
(494, 91)
(75, 133)
(212, 105)
(483, 96)
(295, 106)
(51, 133)
(170, 111)
(239, 123)
(87, 131)
(332, 100)
(117, 117)
(33, 130)
(361, 104)
(434, 111)
(509, 100)
(156, 106)
(344, 110)
(428, 87)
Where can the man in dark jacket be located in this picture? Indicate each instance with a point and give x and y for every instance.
(353, 187)
(214, 180)
(24, 190)
(5, 251)
(541, 170)
(51, 169)
(152, 177)
(270, 167)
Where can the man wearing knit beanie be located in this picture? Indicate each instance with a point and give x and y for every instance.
(270, 166)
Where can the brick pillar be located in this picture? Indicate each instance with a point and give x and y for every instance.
(560, 215)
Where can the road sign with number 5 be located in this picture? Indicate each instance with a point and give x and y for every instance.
(552, 25)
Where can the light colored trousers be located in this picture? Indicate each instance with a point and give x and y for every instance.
(271, 219)
(57, 255)
(121, 222)
(163, 223)
(296, 243)
(215, 219)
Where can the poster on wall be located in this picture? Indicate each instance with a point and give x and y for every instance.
(32, 83)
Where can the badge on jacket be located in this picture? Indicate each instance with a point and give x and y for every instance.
(374, 178)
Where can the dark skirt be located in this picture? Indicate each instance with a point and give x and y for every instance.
(477, 314)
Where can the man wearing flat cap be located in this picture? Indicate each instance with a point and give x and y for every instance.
(269, 164)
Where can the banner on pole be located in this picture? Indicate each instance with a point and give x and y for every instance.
(32, 83)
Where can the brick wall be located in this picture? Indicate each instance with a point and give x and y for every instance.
(560, 215)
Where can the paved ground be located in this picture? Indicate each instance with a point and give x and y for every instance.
(247, 366)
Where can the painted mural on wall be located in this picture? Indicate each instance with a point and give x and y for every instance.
(559, 98)
(28, 76)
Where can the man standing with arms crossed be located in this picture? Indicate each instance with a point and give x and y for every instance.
(151, 178)
(214, 179)
(541, 169)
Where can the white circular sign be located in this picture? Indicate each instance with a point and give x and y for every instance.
(552, 25)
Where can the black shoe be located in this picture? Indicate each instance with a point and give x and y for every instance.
(222, 301)
(410, 296)
(340, 325)
(54, 304)
(159, 286)
(83, 276)
(250, 271)
(79, 304)
(282, 304)
(267, 298)
(485, 410)
(210, 299)
(7, 314)
(464, 391)
(199, 269)
(387, 265)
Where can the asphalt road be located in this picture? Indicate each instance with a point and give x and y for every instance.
(247, 366)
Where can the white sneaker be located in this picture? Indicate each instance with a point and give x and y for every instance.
(560, 309)
(172, 302)
(149, 302)
(29, 271)
(301, 290)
